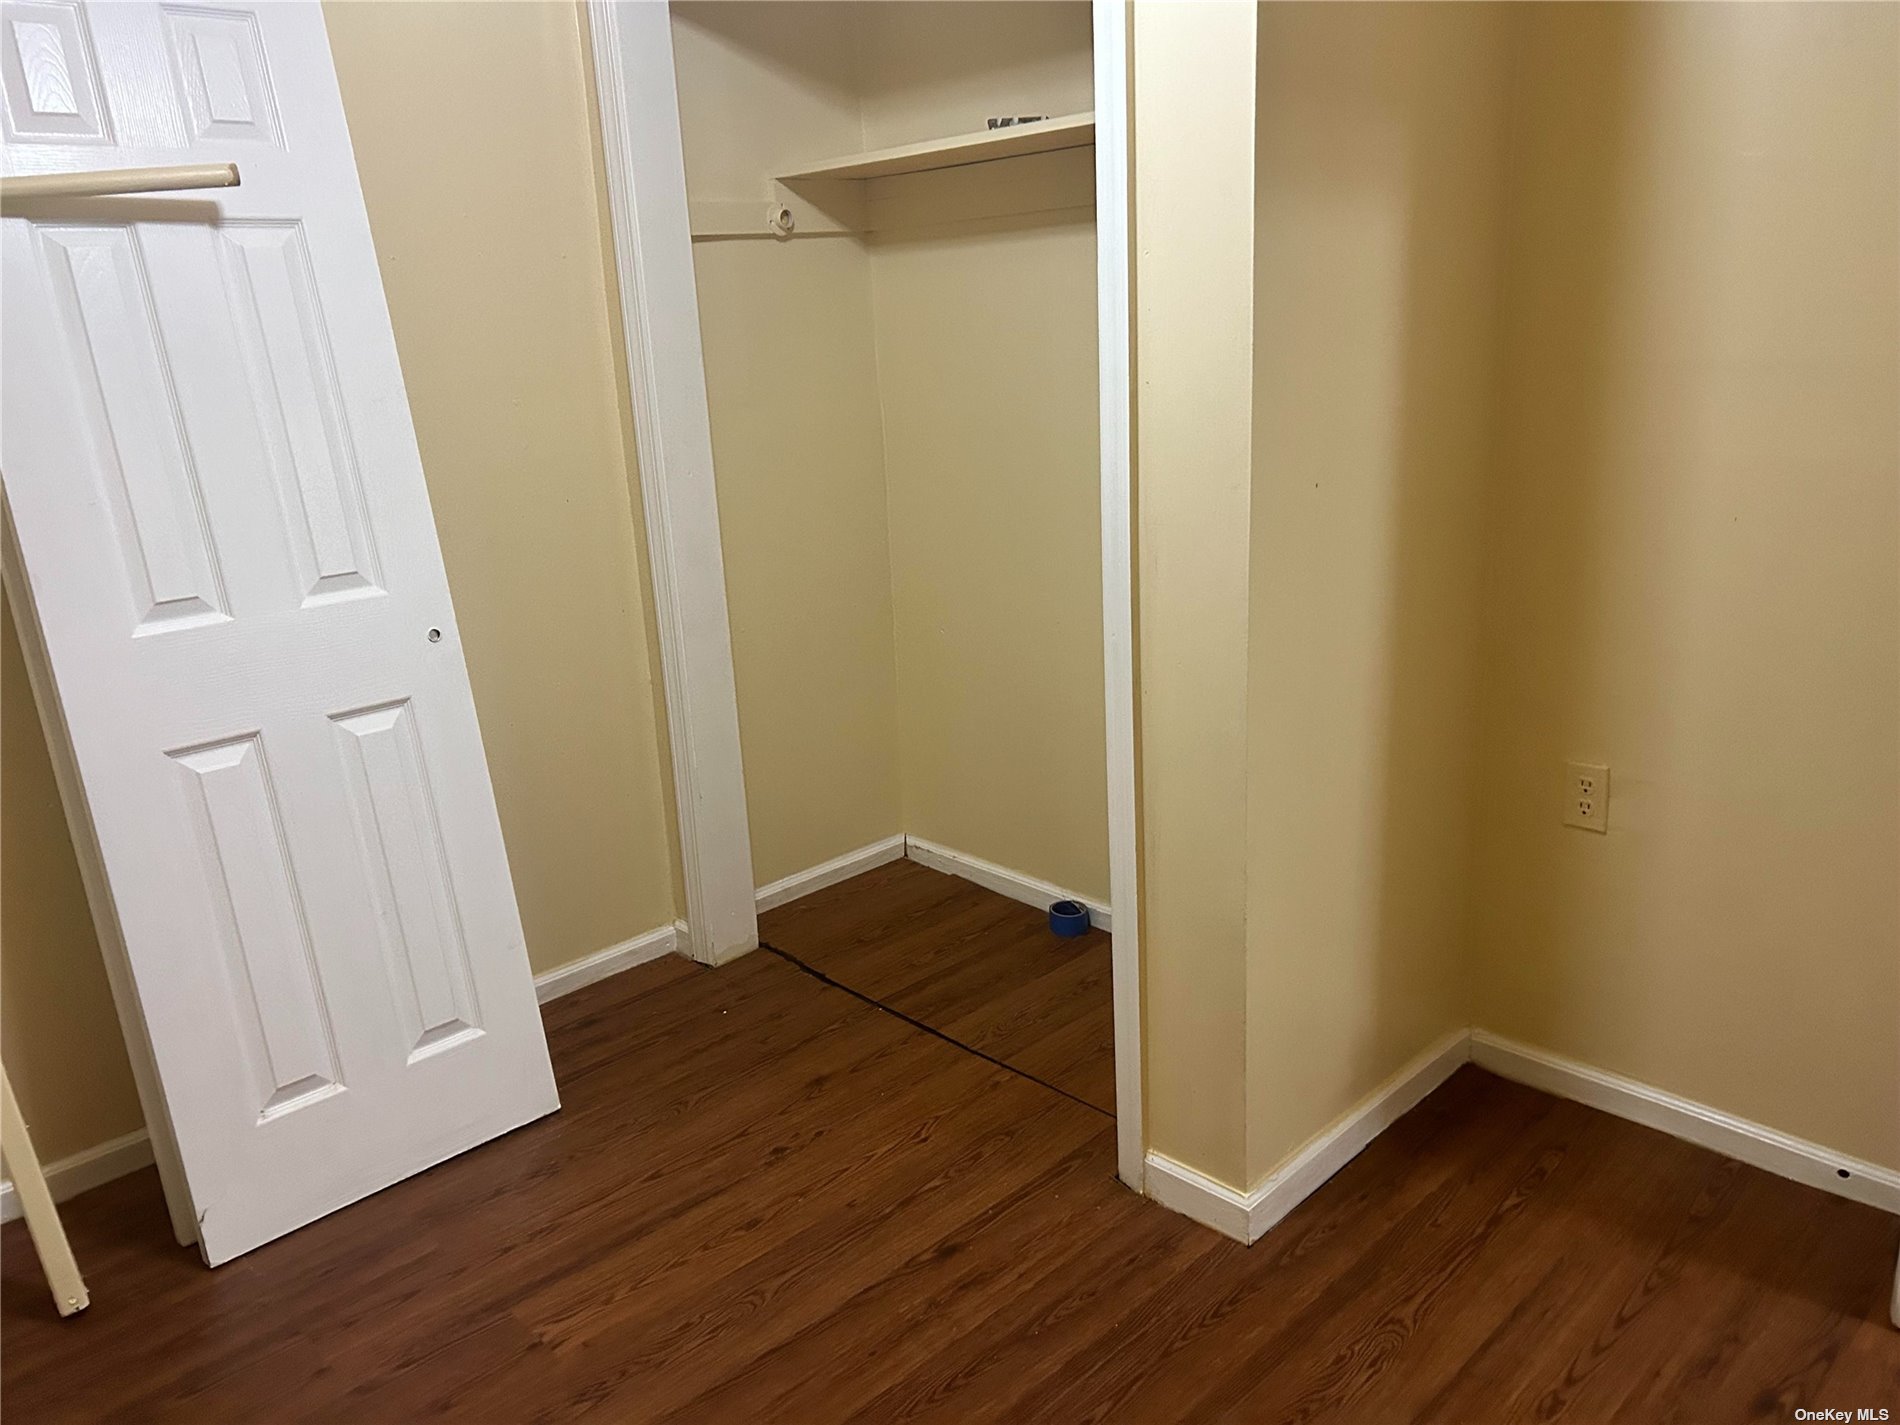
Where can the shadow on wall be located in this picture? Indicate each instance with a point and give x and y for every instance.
(1379, 232)
(1453, 94)
(1547, 514)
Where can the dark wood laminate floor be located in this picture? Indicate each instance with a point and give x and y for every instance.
(766, 1200)
(975, 966)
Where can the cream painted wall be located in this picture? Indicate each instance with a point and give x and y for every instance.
(985, 334)
(986, 364)
(937, 67)
(1377, 244)
(53, 991)
(904, 430)
(1193, 151)
(763, 86)
(1694, 574)
(1576, 333)
(479, 176)
(791, 383)
(792, 386)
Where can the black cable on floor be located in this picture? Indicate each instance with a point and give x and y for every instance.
(823, 978)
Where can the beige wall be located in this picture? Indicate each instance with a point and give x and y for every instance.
(1693, 567)
(1193, 145)
(1378, 227)
(936, 67)
(479, 176)
(53, 992)
(792, 388)
(791, 383)
(1576, 341)
(985, 334)
(986, 363)
(1317, 314)
(904, 430)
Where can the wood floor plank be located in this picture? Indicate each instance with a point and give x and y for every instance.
(1553, 1285)
(981, 969)
(948, 1288)
(765, 1199)
(1866, 1371)
(1177, 1345)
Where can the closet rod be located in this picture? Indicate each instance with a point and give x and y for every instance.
(105, 182)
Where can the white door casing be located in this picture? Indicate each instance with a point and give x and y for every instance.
(638, 107)
(230, 554)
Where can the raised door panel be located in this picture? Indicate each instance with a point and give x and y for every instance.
(291, 373)
(275, 995)
(101, 291)
(400, 847)
(224, 85)
(50, 76)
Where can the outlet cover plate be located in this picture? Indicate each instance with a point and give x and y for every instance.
(1587, 795)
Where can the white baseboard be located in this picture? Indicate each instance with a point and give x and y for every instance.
(86, 1169)
(829, 873)
(577, 974)
(1030, 890)
(1246, 1217)
(1760, 1146)
(1193, 1194)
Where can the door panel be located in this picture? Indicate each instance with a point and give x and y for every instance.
(228, 546)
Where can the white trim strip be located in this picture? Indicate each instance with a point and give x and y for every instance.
(653, 258)
(1753, 1143)
(1113, 361)
(578, 974)
(1193, 1194)
(1306, 1171)
(829, 873)
(1030, 890)
(86, 1169)
(1246, 1217)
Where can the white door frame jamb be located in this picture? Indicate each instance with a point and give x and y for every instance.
(1118, 586)
(646, 186)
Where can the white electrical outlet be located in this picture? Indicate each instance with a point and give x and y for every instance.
(1587, 796)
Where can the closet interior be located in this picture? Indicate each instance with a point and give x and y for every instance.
(898, 309)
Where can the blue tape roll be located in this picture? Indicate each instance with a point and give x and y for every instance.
(1069, 918)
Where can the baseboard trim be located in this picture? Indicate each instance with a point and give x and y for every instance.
(88, 1168)
(1753, 1143)
(1030, 890)
(1295, 1180)
(1246, 1217)
(578, 974)
(829, 873)
(1193, 1194)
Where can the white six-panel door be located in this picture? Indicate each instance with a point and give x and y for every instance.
(211, 469)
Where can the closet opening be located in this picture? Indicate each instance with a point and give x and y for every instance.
(894, 245)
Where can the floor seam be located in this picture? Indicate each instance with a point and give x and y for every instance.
(930, 1029)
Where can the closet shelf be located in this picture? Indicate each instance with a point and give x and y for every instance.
(1045, 136)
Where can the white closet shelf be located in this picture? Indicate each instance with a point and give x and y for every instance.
(1044, 136)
